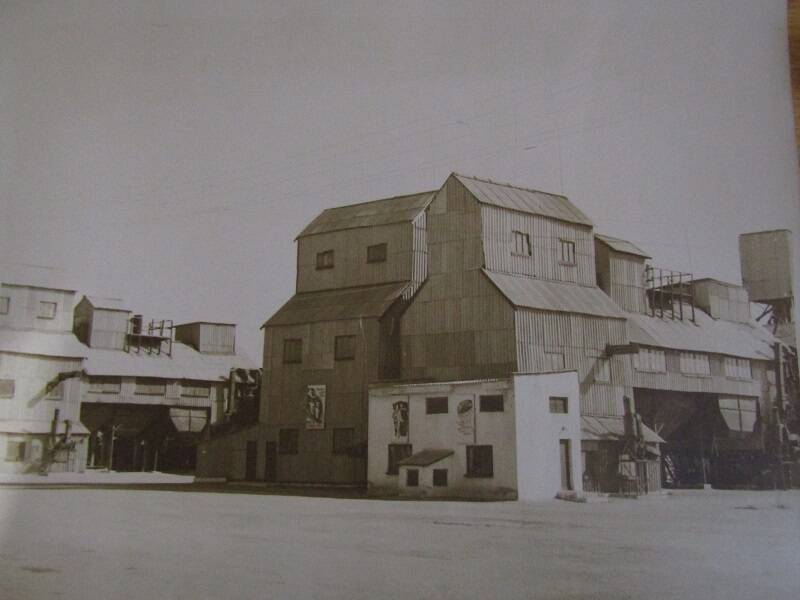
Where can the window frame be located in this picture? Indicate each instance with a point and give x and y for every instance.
(284, 447)
(5, 305)
(412, 477)
(571, 258)
(486, 471)
(392, 468)
(382, 250)
(558, 402)
(338, 352)
(151, 383)
(601, 370)
(326, 259)
(650, 356)
(287, 356)
(737, 368)
(687, 361)
(48, 316)
(437, 474)
(433, 405)
(485, 403)
(521, 238)
(9, 395)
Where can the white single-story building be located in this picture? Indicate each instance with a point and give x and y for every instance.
(511, 438)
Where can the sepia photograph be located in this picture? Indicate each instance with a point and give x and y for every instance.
(406, 300)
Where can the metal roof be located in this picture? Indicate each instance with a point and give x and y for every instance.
(399, 209)
(423, 458)
(528, 292)
(524, 200)
(613, 428)
(185, 363)
(336, 305)
(705, 335)
(621, 245)
(41, 343)
(106, 303)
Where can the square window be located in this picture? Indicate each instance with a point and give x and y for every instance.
(47, 310)
(15, 451)
(343, 440)
(436, 406)
(6, 388)
(522, 244)
(397, 452)
(412, 477)
(559, 404)
(376, 253)
(325, 260)
(491, 403)
(292, 351)
(287, 441)
(567, 252)
(440, 478)
(480, 461)
(5, 303)
(344, 347)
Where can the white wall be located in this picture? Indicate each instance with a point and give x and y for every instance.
(538, 432)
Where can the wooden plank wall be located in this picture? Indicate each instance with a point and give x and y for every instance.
(350, 257)
(581, 339)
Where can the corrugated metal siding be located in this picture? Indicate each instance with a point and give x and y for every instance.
(419, 267)
(627, 282)
(581, 340)
(400, 209)
(550, 295)
(216, 338)
(172, 397)
(350, 258)
(524, 200)
(766, 260)
(545, 237)
(108, 329)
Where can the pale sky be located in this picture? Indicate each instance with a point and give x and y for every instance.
(168, 152)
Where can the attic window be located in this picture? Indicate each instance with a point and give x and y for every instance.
(292, 351)
(522, 244)
(376, 253)
(325, 260)
(344, 347)
(5, 301)
(567, 252)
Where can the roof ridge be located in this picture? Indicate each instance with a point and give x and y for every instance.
(379, 200)
(511, 185)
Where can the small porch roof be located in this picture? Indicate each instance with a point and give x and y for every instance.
(425, 458)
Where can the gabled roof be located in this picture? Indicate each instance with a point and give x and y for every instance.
(704, 335)
(524, 200)
(41, 343)
(185, 363)
(423, 458)
(106, 303)
(336, 305)
(527, 292)
(621, 245)
(399, 209)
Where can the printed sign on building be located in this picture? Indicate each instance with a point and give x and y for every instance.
(400, 420)
(465, 413)
(315, 407)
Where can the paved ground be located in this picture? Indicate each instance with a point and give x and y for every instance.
(191, 542)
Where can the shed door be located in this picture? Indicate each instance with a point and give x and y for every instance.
(566, 468)
(250, 461)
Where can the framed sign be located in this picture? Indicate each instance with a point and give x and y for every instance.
(315, 406)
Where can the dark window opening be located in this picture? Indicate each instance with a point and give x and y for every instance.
(343, 440)
(292, 351)
(287, 441)
(376, 253)
(522, 244)
(397, 452)
(440, 478)
(344, 347)
(325, 259)
(479, 461)
(412, 477)
(567, 252)
(558, 404)
(436, 406)
(491, 403)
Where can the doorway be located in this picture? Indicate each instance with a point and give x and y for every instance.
(566, 467)
(251, 457)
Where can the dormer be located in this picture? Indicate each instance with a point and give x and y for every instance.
(101, 322)
(208, 338)
(722, 300)
(620, 267)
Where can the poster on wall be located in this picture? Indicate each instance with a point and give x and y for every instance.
(400, 420)
(315, 406)
(465, 413)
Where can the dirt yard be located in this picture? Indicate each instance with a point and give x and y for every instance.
(197, 542)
